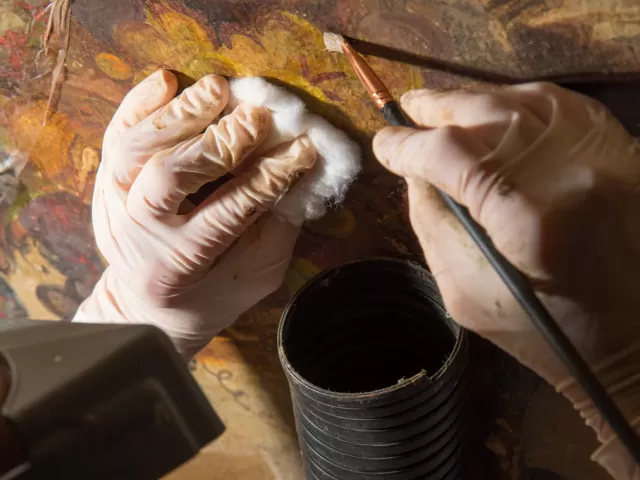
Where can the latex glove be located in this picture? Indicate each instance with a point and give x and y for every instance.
(554, 179)
(191, 274)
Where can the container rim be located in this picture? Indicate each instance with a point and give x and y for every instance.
(459, 334)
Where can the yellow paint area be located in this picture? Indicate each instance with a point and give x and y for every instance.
(47, 145)
(259, 444)
(286, 48)
(86, 163)
(30, 271)
(10, 20)
(336, 223)
(173, 40)
(623, 26)
(58, 150)
(300, 271)
(568, 11)
(113, 67)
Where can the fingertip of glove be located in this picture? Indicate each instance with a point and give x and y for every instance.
(537, 87)
(161, 86)
(290, 162)
(410, 98)
(308, 154)
(201, 102)
(216, 85)
(384, 143)
(418, 104)
(256, 119)
(305, 141)
(162, 80)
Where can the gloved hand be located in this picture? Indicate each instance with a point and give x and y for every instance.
(555, 181)
(190, 271)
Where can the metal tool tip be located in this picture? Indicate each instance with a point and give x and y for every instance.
(333, 42)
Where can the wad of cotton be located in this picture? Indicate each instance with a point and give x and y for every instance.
(338, 161)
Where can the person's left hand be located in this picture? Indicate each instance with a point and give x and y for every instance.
(189, 270)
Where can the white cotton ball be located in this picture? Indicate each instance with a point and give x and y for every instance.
(287, 125)
(257, 91)
(339, 158)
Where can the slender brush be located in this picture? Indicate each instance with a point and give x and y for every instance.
(512, 277)
(377, 90)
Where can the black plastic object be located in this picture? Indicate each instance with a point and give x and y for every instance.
(376, 370)
(98, 402)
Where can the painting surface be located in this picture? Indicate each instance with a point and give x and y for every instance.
(48, 259)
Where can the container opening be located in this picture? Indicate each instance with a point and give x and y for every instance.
(367, 326)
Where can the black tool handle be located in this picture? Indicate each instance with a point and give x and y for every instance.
(542, 319)
(395, 116)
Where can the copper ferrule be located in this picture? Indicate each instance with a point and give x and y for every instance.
(376, 89)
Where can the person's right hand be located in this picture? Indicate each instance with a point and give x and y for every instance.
(555, 181)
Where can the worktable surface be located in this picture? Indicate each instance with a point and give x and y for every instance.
(48, 258)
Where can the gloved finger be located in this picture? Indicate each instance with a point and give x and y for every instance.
(145, 98)
(575, 122)
(446, 245)
(497, 120)
(236, 205)
(172, 174)
(184, 117)
(250, 270)
(448, 157)
(257, 262)
(451, 255)
(472, 291)
(539, 98)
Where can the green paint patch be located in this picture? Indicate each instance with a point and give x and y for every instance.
(10, 21)
(300, 271)
(18, 204)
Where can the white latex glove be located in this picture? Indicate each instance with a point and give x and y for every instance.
(555, 181)
(191, 274)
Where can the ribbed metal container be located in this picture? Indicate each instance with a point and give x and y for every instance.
(376, 370)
